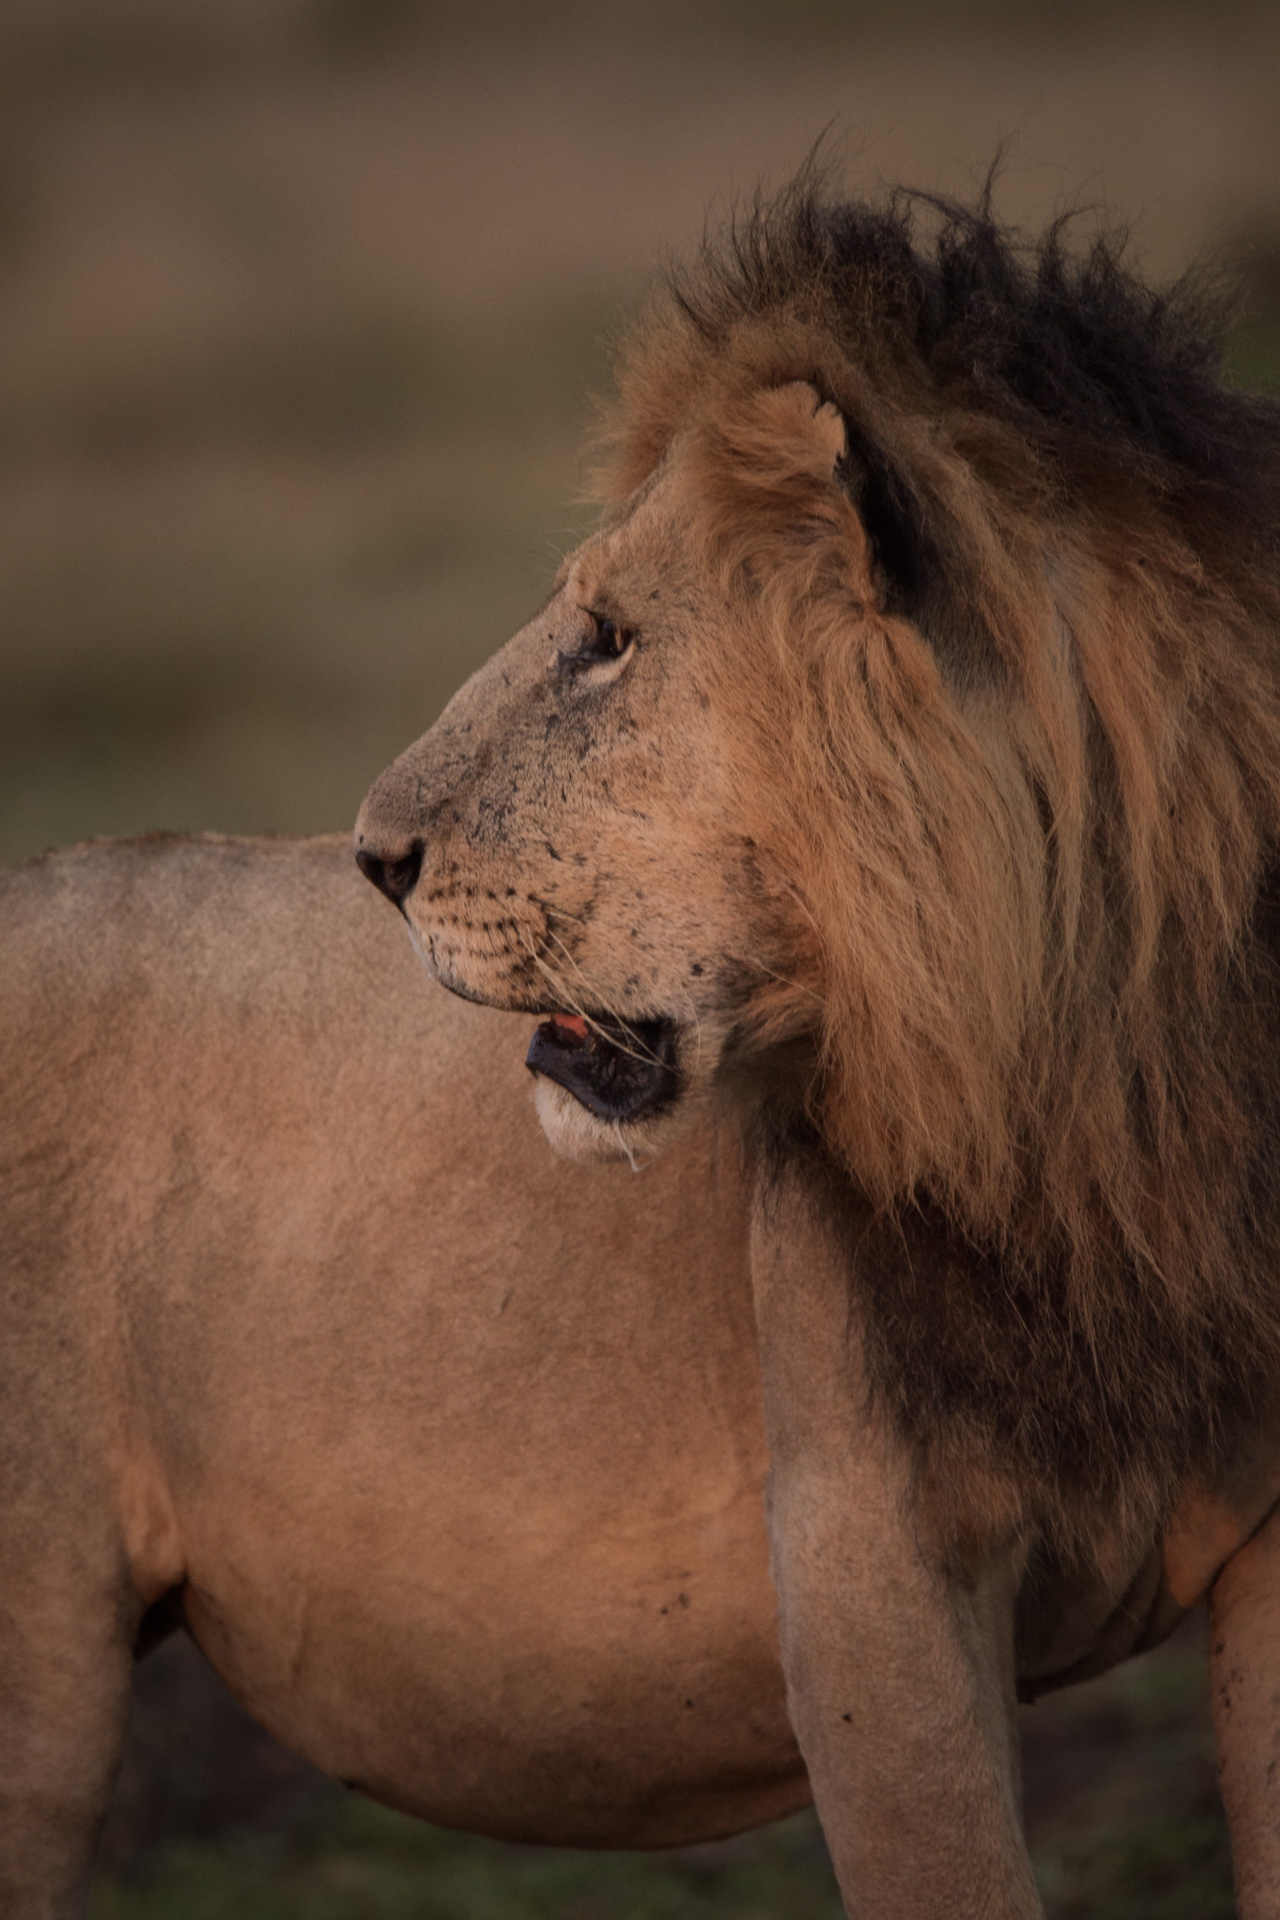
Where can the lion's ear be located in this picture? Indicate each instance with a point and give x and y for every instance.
(828, 429)
(805, 432)
(893, 519)
(792, 429)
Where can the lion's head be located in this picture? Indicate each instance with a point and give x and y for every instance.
(904, 752)
(683, 813)
(586, 809)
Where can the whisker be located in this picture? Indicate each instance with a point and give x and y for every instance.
(645, 1055)
(578, 969)
(636, 1166)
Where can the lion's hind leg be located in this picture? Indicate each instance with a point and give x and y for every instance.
(1244, 1664)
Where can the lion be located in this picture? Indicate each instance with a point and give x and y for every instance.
(449, 1455)
(896, 777)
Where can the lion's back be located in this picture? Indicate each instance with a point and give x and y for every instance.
(167, 1001)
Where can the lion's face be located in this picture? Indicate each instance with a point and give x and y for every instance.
(587, 809)
(715, 816)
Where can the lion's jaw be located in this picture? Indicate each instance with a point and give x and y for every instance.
(580, 857)
(578, 1134)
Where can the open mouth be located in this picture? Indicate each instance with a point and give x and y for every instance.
(617, 1069)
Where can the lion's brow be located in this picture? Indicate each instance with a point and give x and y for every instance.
(578, 563)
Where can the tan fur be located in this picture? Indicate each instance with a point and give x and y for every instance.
(304, 1328)
(449, 1455)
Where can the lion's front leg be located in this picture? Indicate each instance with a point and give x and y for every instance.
(898, 1662)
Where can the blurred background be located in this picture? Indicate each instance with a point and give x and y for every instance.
(301, 302)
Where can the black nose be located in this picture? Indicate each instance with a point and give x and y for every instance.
(396, 878)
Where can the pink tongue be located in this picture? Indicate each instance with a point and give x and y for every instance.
(570, 1023)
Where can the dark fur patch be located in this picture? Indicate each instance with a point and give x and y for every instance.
(1076, 351)
(894, 517)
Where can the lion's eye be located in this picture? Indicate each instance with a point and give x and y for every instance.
(602, 653)
(609, 641)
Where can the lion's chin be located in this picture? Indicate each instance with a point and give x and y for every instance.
(576, 1134)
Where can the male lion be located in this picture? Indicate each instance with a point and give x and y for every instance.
(899, 770)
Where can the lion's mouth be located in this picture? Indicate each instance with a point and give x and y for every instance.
(617, 1069)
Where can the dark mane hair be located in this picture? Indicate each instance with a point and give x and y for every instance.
(1073, 350)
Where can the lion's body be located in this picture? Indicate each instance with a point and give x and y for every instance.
(455, 1453)
(899, 769)
(450, 1455)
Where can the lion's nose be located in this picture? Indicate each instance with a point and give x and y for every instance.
(393, 871)
(388, 841)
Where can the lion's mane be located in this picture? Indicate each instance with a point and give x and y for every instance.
(1029, 802)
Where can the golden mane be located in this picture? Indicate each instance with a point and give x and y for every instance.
(1028, 801)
